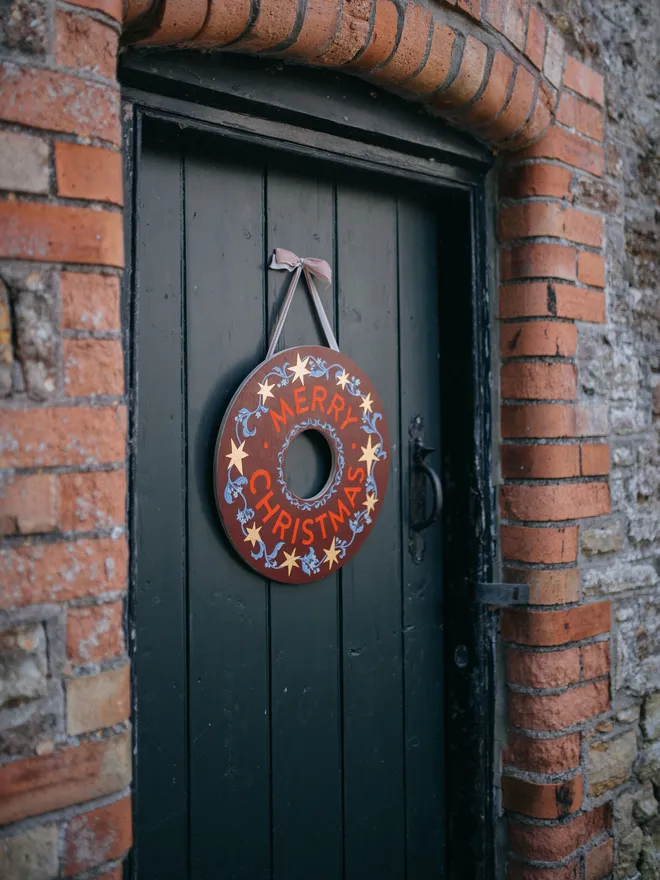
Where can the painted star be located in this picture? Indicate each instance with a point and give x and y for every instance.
(290, 560)
(366, 404)
(236, 456)
(370, 454)
(343, 380)
(265, 391)
(300, 369)
(254, 534)
(331, 554)
(370, 502)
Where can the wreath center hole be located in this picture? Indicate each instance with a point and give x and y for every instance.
(308, 464)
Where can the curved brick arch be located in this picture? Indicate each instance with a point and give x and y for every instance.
(486, 76)
(494, 67)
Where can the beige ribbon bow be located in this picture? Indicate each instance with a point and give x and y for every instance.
(309, 266)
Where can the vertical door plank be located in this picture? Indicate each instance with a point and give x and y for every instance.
(306, 714)
(422, 584)
(373, 708)
(229, 665)
(159, 602)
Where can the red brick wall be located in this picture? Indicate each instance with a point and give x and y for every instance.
(65, 744)
(495, 68)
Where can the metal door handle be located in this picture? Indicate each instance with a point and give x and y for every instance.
(421, 475)
(419, 459)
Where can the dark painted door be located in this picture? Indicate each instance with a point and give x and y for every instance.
(282, 732)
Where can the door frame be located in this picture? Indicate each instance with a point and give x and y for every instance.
(330, 118)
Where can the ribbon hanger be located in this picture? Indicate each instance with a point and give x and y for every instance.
(307, 266)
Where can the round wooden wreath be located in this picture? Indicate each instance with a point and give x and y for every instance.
(282, 536)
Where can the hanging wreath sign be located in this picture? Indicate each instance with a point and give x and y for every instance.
(308, 387)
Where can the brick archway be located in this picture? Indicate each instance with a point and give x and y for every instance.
(495, 68)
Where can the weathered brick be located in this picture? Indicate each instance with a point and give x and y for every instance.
(223, 24)
(89, 301)
(549, 843)
(538, 338)
(539, 260)
(539, 179)
(352, 36)
(569, 148)
(95, 633)
(61, 234)
(553, 62)
(89, 173)
(58, 102)
(93, 500)
(556, 711)
(494, 12)
(30, 855)
(595, 660)
(540, 462)
(578, 114)
(598, 862)
(85, 44)
(538, 122)
(93, 367)
(550, 298)
(543, 755)
(318, 30)
(436, 68)
(538, 381)
(540, 420)
(97, 837)
(382, 42)
(518, 108)
(551, 800)
(274, 24)
(94, 702)
(535, 42)
(411, 51)
(40, 573)
(515, 22)
(594, 459)
(24, 163)
(468, 79)
(70, 775)
(549, 220)
(583, 80)
(521, 871)
(471, 8)
(558, 587)
(591, 269)
(180, 23)
(493, 98)
(63, 436)
(549, 628)
(555, 503)
(28, 504)
(552, 669)
(548, 546)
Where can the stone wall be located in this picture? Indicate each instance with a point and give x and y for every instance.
(619, 367)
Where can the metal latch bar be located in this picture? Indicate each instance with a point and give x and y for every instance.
(503, 595)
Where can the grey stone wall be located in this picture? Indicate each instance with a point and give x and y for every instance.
(620, 367)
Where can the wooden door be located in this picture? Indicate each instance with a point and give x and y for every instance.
(282, 732)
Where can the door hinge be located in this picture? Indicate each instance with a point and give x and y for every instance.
(503, 595)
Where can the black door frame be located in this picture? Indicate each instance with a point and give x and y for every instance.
(344, 122)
